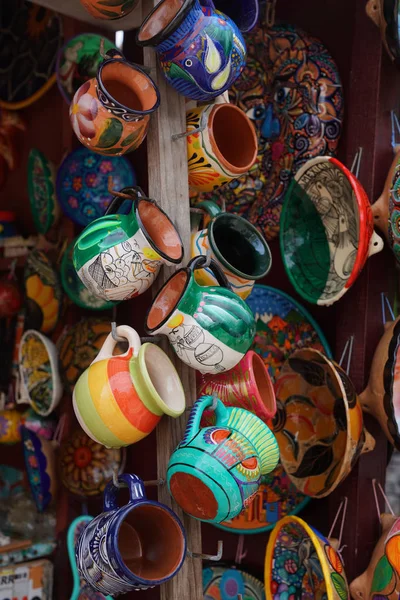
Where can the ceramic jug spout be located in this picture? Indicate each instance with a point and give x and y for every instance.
(373, 12)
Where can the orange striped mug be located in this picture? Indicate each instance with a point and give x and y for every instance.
(120, 399)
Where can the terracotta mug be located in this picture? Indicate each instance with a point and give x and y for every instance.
(120, 399)
(237, 247)
(110, 113)
(386, 209)
(248, 386)
(111, 10)
(119, 256)
(135, 547)
(215, 472)
(222, 145)
(210, 328)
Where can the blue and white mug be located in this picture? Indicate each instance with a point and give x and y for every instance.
(135, 547)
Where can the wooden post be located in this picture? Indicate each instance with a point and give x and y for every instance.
(168, 184)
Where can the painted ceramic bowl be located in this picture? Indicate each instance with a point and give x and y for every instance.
(80, 346)
(42, 191)
(301, 563)
(78, 61)
(40, 383)
(276, 498)
(30, 37)
(86, 466)
(43, 292)
(10, 426)
(109, 9)
(318, 424)
(221, 583)
(82, 183)
(282, 326)
(326, 215)
(385, 14)
(386, 209)
(39, 455)
(76, 291)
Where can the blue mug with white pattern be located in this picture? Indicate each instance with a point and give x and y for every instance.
(135, 547)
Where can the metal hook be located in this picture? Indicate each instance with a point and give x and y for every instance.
(355, 167)
(386, 304)
(343, 505)
(348, 347)
(240, 554)
(116, 337)
(386, 499)
(103, 54)
(199, 129)
(215, 558)
(151, 482)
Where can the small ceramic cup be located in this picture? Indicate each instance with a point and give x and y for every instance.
(120, 399)
(222, 145)
(210, 328)
(119, 256)
(236, 246)
(135, 547)
(215, 472)
(39, 378)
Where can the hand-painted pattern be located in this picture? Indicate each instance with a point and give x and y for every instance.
(36, 462)
(42, 195)
(220, 583)
(394, 212)
(391, 380)
(37, 373)
(43, 291)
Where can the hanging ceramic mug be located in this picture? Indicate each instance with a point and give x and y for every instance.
(216, 471)
(237, 247)
(110, 113)
(222, 145)
(119, 256)
(210, 328)
(248, 386)
(135, 547)
(201, 51)
(120, 399)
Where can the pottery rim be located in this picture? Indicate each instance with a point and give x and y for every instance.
(259, 373)
(180, 10)
(180, 281)
(262, 242)
(49, 176)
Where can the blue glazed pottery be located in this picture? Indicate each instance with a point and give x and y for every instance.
(40, 466)
(82, 183)
(216, 471)
(135, 547)
(201, 51)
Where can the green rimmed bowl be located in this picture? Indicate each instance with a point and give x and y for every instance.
(42, 191)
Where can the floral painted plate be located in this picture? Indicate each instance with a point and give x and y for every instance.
(30, 37)
(82, 183)
(39, 455)
(43, 292)
(220, 583)
(42, 192)
(78, 61)
(282, 326)
(276, 498)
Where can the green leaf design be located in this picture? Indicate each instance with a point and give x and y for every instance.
(293, 442)
(111, 133)
(223, 35)
(382, 575)
(340, 586)
(316, 461)
(130, 139)
(107, 13)
(110, 2)
(176, 72)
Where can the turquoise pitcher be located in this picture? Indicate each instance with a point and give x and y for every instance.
(215, 472)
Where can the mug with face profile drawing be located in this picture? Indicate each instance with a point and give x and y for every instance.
(119, 256)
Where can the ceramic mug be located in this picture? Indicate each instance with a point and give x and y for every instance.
(248, 386)
(110, 113)
(215, 472)
(210, 328)
(222, 145)
(135, 547)
(119, 256)
(236, 246)
(201, 51)
(120, 399)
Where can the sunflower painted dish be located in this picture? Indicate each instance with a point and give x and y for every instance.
(43, 292)
(42, 192)
(222, 583)
(302, 563)
(318, 424)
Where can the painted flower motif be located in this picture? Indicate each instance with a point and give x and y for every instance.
(83, 112)
(90, 161)
(73, 202)
(33, 461)
(4, 426)
(106, 166)
(104, 202)
(91, 179)
(67, 184)
(89, 211)
(73, 167)
(29, 445)
(77, 183)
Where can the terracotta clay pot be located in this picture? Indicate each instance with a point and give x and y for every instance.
(386, 209)
(111, 10)
(381, 397)
(378, 581)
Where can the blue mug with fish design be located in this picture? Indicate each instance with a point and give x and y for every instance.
(135, 547)
(201, 50)
(216, 471)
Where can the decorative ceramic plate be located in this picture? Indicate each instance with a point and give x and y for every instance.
(86, 466)
(42, 191)
(82, 183)
(301, 563)
(282, 326)
(276, 498)
(30, 37)
(40, 467)
(43, 292)
(78, 61)
(10, 426)
(74, 288)
(221, 583)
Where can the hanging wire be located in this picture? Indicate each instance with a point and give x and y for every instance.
(343, 505)
(348, 348)
(376, 484)
(355, 167)
(240, 552)
(386, 305)
(114, 334)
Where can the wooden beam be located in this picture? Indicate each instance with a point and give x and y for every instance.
(168, 184)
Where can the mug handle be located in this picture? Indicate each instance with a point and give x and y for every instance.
(22, 395)
(124, 331)
(210, 207)
(135, 486)
(196, 414)
(135, 191)
(198, 262)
